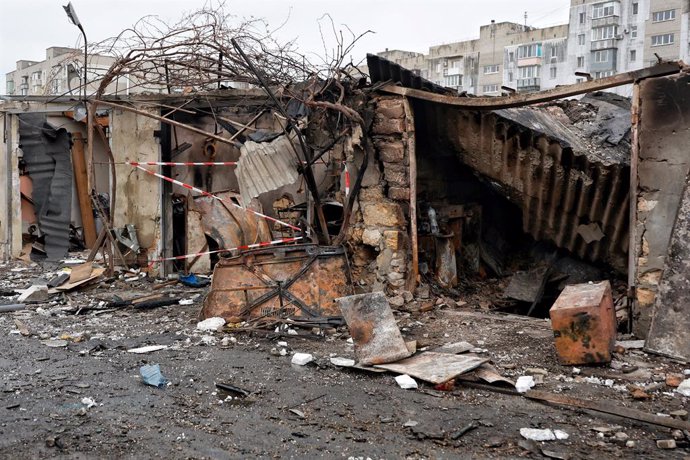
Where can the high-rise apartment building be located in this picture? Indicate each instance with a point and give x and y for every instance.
(602, 38)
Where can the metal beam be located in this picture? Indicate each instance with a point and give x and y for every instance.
(522, 99)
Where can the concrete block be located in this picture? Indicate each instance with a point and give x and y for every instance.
(371, 237)
(584, 324)
(391, 152)
(388, 126)
(390, 108)
(399, 193)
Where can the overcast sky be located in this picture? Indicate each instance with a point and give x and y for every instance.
(28, 27)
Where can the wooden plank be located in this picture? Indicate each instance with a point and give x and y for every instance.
(607, 407)
(412, 157)
(81, 180)
(522, 99)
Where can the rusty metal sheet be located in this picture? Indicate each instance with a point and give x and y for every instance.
(305, 279)
(373, 329)
(435, 367)
(230, 226)
(668, 334)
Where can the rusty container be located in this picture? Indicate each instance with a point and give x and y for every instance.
(286, 281)
(583, 319)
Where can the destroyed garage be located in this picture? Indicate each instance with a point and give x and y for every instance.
(343, 264)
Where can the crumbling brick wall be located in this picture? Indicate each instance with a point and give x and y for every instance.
(379, 233)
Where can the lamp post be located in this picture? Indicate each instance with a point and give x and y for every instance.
(72, 15)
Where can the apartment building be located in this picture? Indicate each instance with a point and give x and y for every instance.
(602, 38)
(60, 73)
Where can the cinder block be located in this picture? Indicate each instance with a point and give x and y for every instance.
(583, 319)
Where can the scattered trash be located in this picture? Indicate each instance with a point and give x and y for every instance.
(406, 382)
(524, 383)
(211, 324)
(342, 362)
(297, 412)
(12, 307)
(535, 434)
(684, 388)
(434, 367)
(88, 402)
(373, 328)
(194, 281)
(232, 389)
(35, 293)
(151, 374)
(55, 343)
(410, 423)
(302, 359)
(666, 444)
(147, 349)
(186, 302)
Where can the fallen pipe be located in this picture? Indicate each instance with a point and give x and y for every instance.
(12, 307)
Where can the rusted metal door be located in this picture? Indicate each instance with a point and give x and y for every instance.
(288, 281)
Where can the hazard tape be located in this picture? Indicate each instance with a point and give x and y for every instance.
(211, 195)
(168, 163)
(347, 179)
(238, 248)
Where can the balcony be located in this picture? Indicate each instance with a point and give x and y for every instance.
(614, 20)
(604, 44)
(454, 71)
(529, 84)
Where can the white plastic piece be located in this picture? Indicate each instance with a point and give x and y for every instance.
(406, 382)
(147, 349)
(302, 358)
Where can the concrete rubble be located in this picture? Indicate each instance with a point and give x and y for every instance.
(478, 250)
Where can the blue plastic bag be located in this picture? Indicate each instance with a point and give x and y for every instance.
(151, 373)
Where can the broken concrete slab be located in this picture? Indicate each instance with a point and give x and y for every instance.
(372, 326)
(35, 293)
(435, 367)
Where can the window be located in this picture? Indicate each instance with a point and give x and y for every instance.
(667, 15)
(635, 8)
(581, 39)
(552, 72)
(490, 88)
(10, 87)
(603, 33)
(604, 74)
(633, 31)
(601, 10)
(601, 56)
(554, 53)
(530, 71)
(579, 80)
(528, 51)
(582, 18)
(633, 55)
(511, 56)
(580, 61)
(36, 76)
(491, 69)
(55, 86)
(664, 39)
(453, 81)
(510, 76)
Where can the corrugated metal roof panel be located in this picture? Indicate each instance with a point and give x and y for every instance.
(381, 70)
(265, 166)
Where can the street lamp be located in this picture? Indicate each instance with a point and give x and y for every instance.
(72, 15)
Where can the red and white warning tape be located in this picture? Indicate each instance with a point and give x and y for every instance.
(238, 248)
(185, 163)
(347, 179)
(211, 195)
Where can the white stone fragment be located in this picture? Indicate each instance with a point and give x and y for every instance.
(343, 362)
(524, 383)
(547, 434)
(302, 358)
(406, 382)
(684, 388)
(211, 324)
